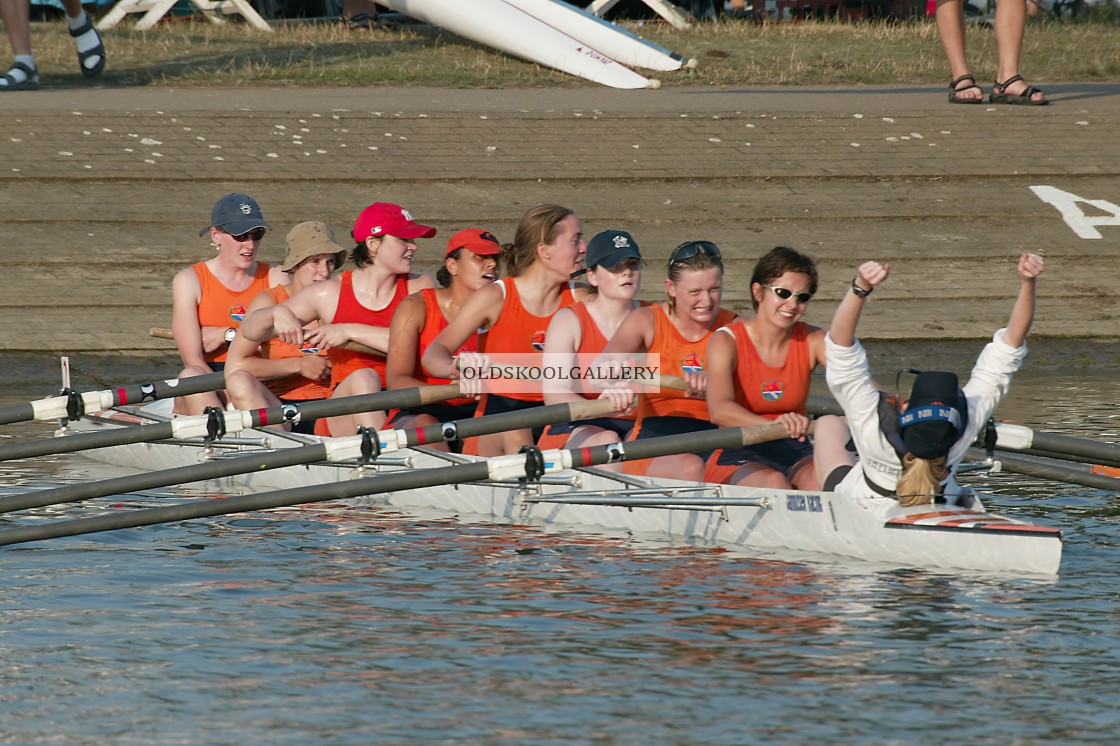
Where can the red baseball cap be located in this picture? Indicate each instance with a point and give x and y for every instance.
(476, 240)
(387, 219)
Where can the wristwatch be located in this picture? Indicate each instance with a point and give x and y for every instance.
(230, 334)
(860, 292)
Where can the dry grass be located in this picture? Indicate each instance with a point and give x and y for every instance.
(732, 53)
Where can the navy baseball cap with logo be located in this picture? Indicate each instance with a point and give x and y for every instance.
(236, 213)
(610, 248)
(935, 416)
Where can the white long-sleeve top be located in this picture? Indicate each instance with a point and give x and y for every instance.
(849, 378)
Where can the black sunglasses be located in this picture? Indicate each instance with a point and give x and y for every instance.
(254, 235)
(689, 249)
(786, 294)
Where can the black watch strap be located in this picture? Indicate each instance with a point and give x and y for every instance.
(860, 292)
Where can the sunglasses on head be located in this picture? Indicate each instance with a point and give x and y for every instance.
(786, 294)
(686, 251)
(254, 235)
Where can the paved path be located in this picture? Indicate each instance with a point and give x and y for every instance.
(104, 190)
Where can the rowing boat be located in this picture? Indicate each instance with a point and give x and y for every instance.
(774, 522)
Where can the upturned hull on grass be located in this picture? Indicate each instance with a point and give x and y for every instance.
(622, 45)
(784, 524)
(498, 24)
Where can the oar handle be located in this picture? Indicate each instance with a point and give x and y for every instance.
(160, 332)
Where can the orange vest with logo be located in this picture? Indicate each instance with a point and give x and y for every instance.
(772, 391)
(350, 311)
(519, 331)
(222, 307)
(296, 387)
(678, 355)
(434, 323)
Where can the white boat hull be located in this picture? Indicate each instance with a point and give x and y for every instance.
(783, 523)
(497, 24)
(620, 44)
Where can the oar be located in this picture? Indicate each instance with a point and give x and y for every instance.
(1058, 472)
(160, 332)
(336, 450)
(231, 421)
(1017, 437)
(58, 407)
(501, 468)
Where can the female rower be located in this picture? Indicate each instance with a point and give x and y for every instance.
(471, 264)
(276, 372)
(547, 250)
(759, 372)
(356, 307)
(579, 333)
(910, 456)
(678, 330)
(210, 298)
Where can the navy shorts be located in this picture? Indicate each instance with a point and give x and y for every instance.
(617, 425)
(500, 404)
(442, 412)
(779, 455)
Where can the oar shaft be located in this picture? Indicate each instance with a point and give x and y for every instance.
(500, 468)
(55, 407)
(258, 462)
(164, 333)
(84, 441)
(1054, 471)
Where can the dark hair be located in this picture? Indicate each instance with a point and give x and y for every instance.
(443, 277)
(779, 260)
(697, 262)
(360, 255)
(536, 226)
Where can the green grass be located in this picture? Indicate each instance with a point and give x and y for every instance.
(732, 52)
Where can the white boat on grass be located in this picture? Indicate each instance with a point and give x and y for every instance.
(622, 45)
(773, 522)
(498, 24)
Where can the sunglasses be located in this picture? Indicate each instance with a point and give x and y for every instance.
(786, 294)
(254, 235)
(686, 251)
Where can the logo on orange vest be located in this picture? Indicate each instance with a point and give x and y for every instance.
(237, 313)
(538, 341)
(692, 363)
(772, 389)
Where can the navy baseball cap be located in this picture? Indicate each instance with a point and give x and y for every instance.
(935, 415)
(236, 213)
(610, 248)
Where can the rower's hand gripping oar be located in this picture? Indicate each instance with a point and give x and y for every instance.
(334, 450)
(531, 465)
(229, 422)
(163, 333)
(59, 407)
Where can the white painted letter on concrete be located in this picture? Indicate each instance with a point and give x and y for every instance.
(1082, 224)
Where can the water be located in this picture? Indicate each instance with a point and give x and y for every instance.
(362, 626)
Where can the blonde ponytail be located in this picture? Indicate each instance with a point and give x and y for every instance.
(920, 482)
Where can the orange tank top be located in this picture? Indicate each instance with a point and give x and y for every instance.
(350, 311)
(296, 388)
(772, 391)
(592, 341)
(519, 331)
(434, 323)
(222, 307)
(678, 355)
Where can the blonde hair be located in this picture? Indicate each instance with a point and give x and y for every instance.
(920, 482)
(537, 226)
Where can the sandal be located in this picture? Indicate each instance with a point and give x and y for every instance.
(29, 83)
(359, 20)
(954, 91)
(98, 51)
(1001, 96)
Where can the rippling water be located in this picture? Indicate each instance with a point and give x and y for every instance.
(358, 626)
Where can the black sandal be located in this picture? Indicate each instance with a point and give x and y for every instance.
(953, 90)
(98, 51)
(30, 83)
(1016, 99)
